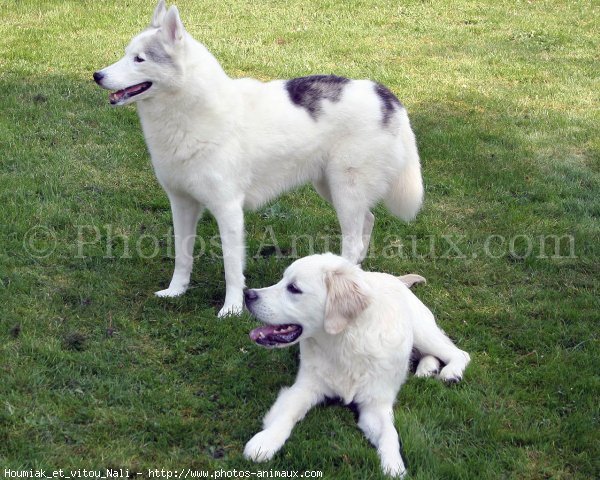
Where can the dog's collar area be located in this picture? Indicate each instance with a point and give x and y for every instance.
(120, 96)
(276, 335)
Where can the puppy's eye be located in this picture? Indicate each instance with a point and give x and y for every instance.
(293, 289)
(138, 59)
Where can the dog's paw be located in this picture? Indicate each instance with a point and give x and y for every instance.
(230, 310)
(451, 374)
(262, 447)
(170, 292)
(428, 366)
(393, 468)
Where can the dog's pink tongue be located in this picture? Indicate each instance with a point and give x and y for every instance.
(262, 332)
(114, 97)
(276, 335)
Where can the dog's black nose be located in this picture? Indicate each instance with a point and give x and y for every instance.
(250, 296)
(98, 76)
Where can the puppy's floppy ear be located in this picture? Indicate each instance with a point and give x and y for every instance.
(347, 297)
(159, 14)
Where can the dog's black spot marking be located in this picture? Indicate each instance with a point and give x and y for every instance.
(309, 92)
(389, 102)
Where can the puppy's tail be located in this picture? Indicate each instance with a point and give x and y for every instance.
(405, 197)
(412, 279)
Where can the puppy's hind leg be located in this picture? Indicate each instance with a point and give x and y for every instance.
(454, 369)
(428, 366)
(377, 423)
(186, 212)
(429, 339)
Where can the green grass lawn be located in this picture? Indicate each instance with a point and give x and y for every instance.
(95, 372)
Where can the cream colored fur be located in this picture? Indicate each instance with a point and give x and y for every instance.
(359, 329)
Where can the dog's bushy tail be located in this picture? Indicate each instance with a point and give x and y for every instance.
(405, 197)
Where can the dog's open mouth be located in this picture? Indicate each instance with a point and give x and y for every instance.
(120, 96)
(276, 335)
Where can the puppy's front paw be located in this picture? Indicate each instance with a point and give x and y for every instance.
(262, 447)
(170, 292)
(229, 310)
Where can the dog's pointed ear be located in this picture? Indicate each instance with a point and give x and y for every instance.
(159, 14)
(172, 26)
(347, 297)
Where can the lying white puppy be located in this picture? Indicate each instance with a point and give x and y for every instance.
(356, 330)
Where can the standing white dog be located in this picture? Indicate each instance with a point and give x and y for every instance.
(227, 144)
(356, 331)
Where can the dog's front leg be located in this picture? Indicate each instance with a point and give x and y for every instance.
(186, 212)
(377, 423)
(291, 406)
(230, 219)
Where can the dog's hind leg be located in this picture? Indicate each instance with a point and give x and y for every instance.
(352, 227)
(429, 339)
(428, 366)
(322, 189)
(351, 215)
(455, 367)
(230, 219)
(368, 224)
(186, 212)
(377, 423)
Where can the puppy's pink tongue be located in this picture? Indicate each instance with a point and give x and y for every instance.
(275, 335)
(261, 332)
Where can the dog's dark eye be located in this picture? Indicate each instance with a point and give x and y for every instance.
(138, 59)
(293, 289)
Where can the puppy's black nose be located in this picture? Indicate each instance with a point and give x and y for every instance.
(250, 296)
(98, 76)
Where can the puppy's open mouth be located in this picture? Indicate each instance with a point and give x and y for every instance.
(276, 335)
(117, 98)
